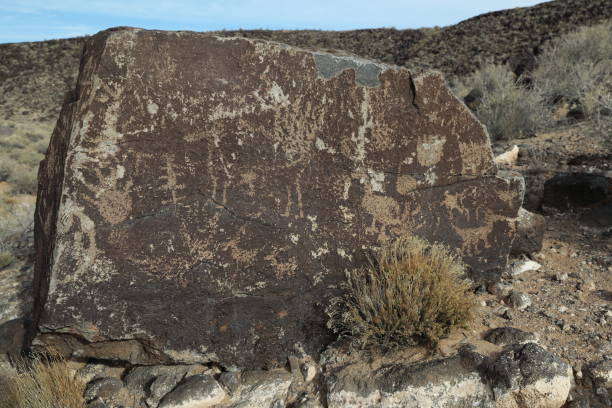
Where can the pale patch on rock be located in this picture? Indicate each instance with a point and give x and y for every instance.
(429, 152)
(377, 180)
(320, 144)
(152, 108)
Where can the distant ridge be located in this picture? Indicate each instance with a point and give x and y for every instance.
(35, 76)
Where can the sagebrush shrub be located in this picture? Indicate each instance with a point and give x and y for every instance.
(45, 381)
(507, 108)
(412, 292)
(577, 67)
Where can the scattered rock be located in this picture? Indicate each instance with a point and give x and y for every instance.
(600, 373)
(309, 371)
(508, 158)
(199, 391)
(521, 266)
(509, 335)
(586, 285)
(529, 234)
(519, 300)
(508, 314)
(500, 289)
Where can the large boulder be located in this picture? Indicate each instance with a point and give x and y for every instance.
(202, 197)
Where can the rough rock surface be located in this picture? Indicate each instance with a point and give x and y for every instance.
(529, 233)
(509, 335)
(529, 376)
(441, 383)
(202, 197)
(198, 391)
(522, 376)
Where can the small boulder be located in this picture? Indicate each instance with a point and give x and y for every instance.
(521, 266)
(509, 335)
(529, 233)
(525, 376)
(601, 373)
(508, 158)
(260, 388)
(197, 391)
(153, 382)
(102, 388)
(499, 289)
(519, 300)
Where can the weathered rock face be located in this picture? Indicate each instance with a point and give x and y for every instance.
(202, 197)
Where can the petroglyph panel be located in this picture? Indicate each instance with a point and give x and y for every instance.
(203, 197)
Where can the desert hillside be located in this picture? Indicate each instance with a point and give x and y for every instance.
(220, 235)
(35, 76)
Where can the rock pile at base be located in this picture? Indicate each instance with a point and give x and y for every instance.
(515, 376)
(202, 197)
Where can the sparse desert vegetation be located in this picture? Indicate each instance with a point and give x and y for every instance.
(412, 292)
(572, 81)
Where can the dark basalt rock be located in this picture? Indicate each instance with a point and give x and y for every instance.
(202, 197)
(568, 191)
(508, 335)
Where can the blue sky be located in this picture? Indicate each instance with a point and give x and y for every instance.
(35, 20)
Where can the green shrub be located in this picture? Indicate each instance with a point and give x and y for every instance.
(412, 292)
(577, 67)
(44, 382)
(507, 108)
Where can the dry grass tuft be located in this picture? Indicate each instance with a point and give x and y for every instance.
(411, 293)
(45, 381)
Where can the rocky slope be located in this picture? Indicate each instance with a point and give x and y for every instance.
(35, 76)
